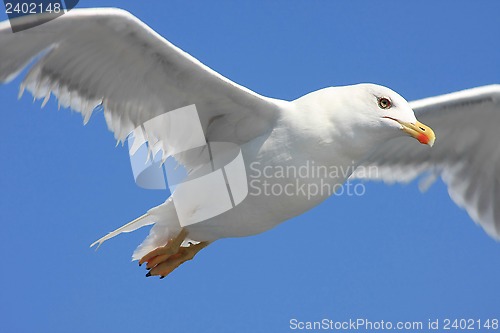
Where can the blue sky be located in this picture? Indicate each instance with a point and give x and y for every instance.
(392, 254)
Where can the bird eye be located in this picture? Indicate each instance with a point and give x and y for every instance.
(384, 103)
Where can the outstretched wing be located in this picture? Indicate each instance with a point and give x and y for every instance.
(466, 153)
(109, 58)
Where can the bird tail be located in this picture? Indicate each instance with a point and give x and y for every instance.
(166, 226)
(139, 222)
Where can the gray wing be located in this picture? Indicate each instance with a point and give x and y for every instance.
(109, 58)
(466, 153)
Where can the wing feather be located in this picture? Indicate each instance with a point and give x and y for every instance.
(107, 57)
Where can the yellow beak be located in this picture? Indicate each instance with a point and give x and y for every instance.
(423, 133)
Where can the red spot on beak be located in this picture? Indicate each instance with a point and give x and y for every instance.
(423, 139)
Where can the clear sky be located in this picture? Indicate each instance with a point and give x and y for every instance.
(391, 254)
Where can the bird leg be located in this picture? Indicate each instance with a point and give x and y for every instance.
(163, 260)
(169, 265)
(162, 253)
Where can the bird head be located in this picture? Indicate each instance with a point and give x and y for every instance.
(382, 111)
(355, 120)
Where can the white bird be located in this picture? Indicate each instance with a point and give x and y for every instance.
(109, 58)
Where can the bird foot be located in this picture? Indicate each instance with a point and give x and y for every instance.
(164, 260)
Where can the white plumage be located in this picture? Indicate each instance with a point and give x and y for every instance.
(107, 57)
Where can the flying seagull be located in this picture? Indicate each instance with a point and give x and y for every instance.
(162, 98)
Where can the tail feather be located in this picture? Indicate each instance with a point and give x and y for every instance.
(166, 226)
(139, 222)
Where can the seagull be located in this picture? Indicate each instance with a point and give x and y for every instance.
(244, 154)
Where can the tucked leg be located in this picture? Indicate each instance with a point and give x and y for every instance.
(169, 265)
(171, 248)
(164, 260)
